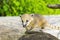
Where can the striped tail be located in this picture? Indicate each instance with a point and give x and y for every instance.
(49, 26)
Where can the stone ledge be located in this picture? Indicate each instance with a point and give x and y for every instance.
(11, 28)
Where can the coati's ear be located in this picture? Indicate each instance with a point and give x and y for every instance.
(19, 15)
(32, 14)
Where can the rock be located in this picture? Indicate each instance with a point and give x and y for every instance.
(10, 33)
(37, 36)
(11, 29)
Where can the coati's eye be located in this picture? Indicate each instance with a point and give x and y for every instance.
(26, 20)
(20, 16)
(22, 20)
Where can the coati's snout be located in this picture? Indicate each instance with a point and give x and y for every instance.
(24, 23)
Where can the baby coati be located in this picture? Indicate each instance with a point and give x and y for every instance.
(31, 21)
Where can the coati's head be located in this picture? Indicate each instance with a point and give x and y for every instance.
(26, 19)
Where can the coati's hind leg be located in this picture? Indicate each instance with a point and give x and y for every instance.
(42, 27)
(41, 30)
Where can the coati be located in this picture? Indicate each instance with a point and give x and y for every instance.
(31, 21)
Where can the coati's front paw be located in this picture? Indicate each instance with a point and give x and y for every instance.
(31, 32)
(27, 32)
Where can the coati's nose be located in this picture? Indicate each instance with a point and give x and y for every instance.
(24, 25)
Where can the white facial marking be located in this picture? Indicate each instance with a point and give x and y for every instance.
(29, 21)
(24, 23)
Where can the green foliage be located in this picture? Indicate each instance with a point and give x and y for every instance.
(18, 7)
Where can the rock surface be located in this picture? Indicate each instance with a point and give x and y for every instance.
(38, 36)
(11, 28)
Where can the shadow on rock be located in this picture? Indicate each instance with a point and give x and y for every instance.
(37, 36)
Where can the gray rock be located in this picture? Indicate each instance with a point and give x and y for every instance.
(38, 36)
(11, 29)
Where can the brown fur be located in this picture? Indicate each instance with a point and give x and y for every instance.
(38, 21)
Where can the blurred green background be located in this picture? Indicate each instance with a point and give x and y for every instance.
(18, 7)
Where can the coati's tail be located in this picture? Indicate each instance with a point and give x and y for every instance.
(49, 26)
